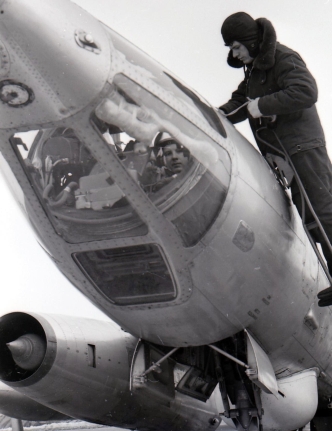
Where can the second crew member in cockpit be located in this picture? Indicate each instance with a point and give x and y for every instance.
(175, 158)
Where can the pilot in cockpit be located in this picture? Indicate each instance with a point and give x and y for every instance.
(175, 158)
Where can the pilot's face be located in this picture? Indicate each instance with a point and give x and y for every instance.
(241, 52)
(175, 160)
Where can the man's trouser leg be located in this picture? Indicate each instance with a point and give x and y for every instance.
(315, 171)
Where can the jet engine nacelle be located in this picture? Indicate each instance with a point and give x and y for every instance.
(82, 368)
(16, 405)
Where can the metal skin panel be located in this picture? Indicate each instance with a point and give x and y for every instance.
(59, 90)
(269, 288)
(98, 391)
(16, 405)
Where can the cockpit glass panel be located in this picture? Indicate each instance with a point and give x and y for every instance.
(145, 65)
(82, 201)
(129, 275)
(178, 165)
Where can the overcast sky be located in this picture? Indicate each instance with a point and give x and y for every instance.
(183, 35)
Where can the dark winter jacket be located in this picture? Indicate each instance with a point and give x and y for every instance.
(286, 88)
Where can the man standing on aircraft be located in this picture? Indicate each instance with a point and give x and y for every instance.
(278, 83)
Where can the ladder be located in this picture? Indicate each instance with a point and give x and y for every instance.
(325, 296)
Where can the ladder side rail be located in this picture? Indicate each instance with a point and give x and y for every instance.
(304, 200)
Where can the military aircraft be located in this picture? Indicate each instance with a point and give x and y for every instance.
(203, 261)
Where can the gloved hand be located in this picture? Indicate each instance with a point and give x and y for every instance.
(253, 108)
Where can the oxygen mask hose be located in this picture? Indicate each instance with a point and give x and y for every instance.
(272, 118)
(237, 109)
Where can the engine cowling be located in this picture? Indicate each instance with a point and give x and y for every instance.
(81, 368)
(16, 405)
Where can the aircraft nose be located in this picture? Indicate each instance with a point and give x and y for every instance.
(28, 351)
(54, 59)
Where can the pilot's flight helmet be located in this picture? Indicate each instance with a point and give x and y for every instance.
(163, 138)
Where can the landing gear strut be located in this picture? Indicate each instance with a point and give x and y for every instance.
(237, 389)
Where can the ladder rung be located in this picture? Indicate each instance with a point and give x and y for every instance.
(312, 225)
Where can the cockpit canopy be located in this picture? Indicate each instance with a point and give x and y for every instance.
(175, 164)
